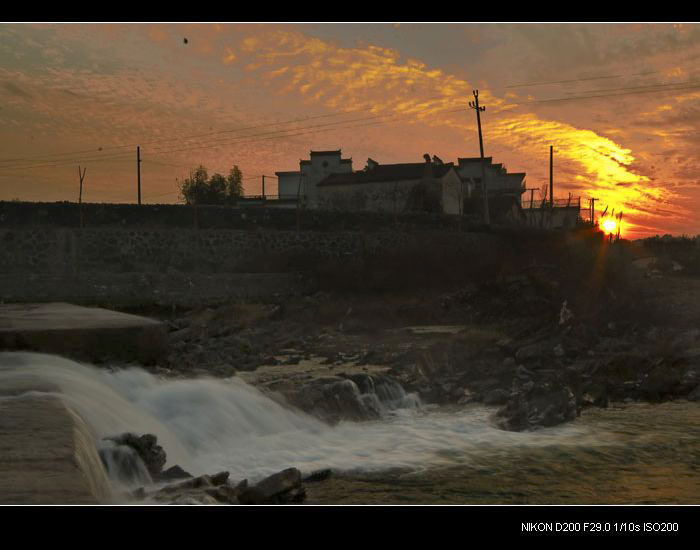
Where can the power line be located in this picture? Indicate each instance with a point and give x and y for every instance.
(48, 156)
(243, 139)
(311, 129)
(525, 85)
(120, 157)
(671, 88)
(646, 86)
(208, 143)
(166, 139)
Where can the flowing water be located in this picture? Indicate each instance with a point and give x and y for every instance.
(633, 453)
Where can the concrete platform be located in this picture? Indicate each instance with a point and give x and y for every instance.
(47, 454)
(92, 334)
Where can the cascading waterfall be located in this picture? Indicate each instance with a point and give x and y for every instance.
(207, 425)
(123, 465)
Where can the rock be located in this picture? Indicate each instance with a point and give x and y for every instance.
(364, 382)
(496, 397)
(523, 373)
(661, 382)
(595, 394)
(689, 380)
(194, 498)
(280, 488)
(318, 475)
(219, 479)
(336, 399)
(194, 483)
(223, 493)
(174, 472)
(152, 454)
(505, 345)
(242, 485)
(565, 314)
(534, 406)
(530, 352)
(203, 489)
(694, 395)
(467, 397)
(180, 335)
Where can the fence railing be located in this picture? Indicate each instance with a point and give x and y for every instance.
(573, 202)
(260, 197)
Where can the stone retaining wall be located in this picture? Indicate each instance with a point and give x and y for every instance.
(164, 250)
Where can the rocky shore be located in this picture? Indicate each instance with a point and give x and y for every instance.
(513, 345)
(176, 486)
(524, 345)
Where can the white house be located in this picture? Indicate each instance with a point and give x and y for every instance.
(429, 186)
(302, 183)
(326, 181)
(498, 181)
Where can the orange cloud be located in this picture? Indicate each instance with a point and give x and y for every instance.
(230, 56)
(378, 80)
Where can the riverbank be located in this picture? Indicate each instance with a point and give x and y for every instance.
(441, 385)
(513, 344)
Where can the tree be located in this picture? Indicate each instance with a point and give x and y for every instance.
(234, 184)
(199, 188)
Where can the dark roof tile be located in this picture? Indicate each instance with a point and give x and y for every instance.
(324, 153)
(474, 159)
(387, 172)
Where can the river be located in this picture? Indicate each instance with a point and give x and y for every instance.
(632, 453)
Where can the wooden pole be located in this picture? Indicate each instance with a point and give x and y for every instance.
(551, 176)
(138, 171)
(298, 203)
(263, 187)
(475, 105)
(80, 196)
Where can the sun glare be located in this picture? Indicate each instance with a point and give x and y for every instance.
(609, 226)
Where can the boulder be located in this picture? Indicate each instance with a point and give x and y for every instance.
(280, 488)
(205, 489)
(595, 394)
(559, 351)
(532, 406)
(198, 482)
(694, 395)
(661, 382)
(174, 472)
(496, 397)
(146, 447)
(689, 381)
(530, 352)
(318, 475)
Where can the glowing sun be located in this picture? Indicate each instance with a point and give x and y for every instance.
(609, 225)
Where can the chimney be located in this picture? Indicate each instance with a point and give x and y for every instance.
(371, 164)
(427, 158)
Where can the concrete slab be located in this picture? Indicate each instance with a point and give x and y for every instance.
(47, 454)
(93, 334)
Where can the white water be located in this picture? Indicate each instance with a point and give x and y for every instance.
(207, 425)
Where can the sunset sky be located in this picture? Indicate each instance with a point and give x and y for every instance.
(620, 103)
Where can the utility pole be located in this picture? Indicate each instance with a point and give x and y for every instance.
(138, 170)
(532, 195)
(298, 202)
(263, 187)
(551, 176)
(80, 196)
(475, 105)
(592, 208)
